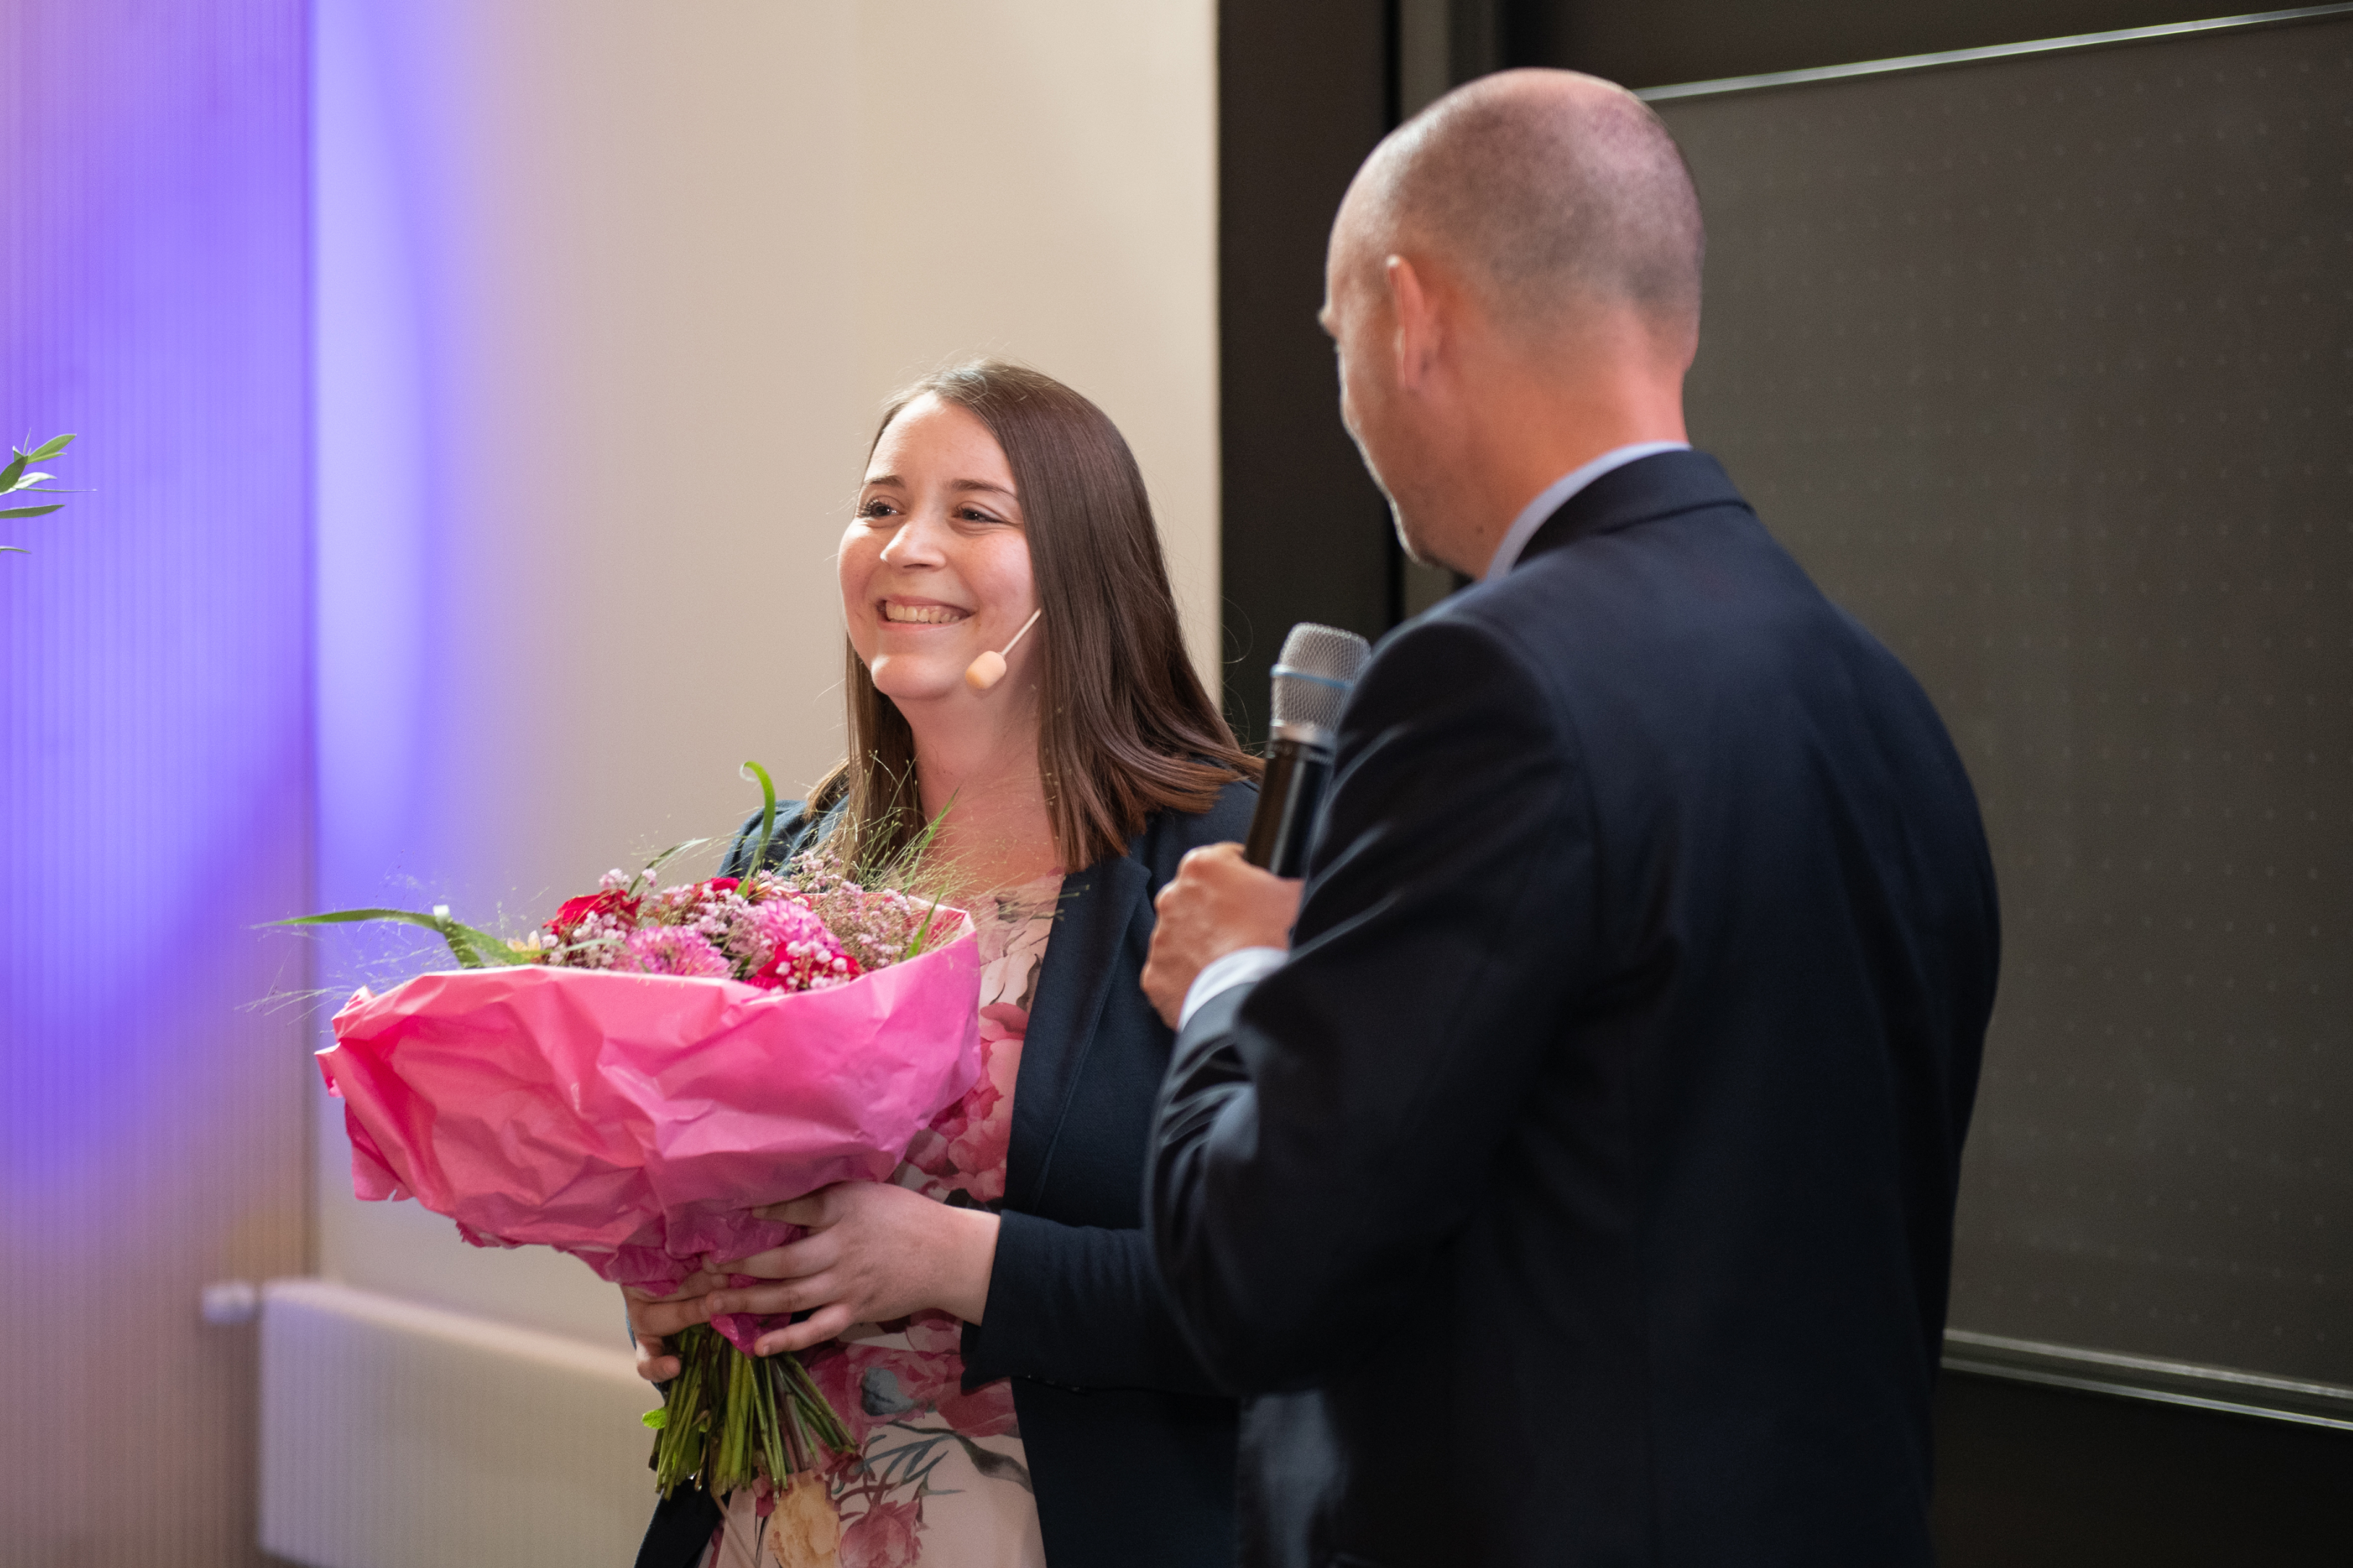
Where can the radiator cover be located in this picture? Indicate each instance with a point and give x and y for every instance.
(395, 1434)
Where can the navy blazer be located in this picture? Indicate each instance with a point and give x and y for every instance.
(1580, 1191)
(1130, 1444)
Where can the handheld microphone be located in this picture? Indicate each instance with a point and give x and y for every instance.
(989, 667)
(1313, 678)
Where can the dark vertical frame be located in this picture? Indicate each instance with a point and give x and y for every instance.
(1304, 92)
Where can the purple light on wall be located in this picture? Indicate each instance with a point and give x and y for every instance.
(155, 752)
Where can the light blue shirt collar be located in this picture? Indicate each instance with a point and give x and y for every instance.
(1548, 501)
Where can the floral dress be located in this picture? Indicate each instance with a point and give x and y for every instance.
(940, 1478)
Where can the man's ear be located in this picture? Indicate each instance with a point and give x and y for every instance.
(1415, 314)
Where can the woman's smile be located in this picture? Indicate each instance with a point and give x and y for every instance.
(920, 612)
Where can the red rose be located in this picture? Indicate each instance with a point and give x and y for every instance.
(575, 910)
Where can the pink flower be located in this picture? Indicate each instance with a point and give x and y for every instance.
(885, 1536)
(986, 1412)
(977, 1150)
(672, 950)
(803, 955)
(872, 1386)
(930, 1333)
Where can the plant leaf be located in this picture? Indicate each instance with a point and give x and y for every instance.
(30, 511)
(50, 449)
(472, 948)
(29, 480)
(9, 474)
(13, 550)
(767, 815)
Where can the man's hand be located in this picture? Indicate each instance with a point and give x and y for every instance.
(1220, 903)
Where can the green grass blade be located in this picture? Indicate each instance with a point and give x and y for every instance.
(767, 815)
(471, 947)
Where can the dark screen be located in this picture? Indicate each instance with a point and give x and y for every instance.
(2044, 367)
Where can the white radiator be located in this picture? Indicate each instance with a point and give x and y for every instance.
(397, 1435)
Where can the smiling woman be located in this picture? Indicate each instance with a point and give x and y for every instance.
(1017, 465)
(988, 1322)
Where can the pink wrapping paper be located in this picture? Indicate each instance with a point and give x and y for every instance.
(635, 1121)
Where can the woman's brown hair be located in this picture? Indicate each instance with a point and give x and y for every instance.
(1124, 728)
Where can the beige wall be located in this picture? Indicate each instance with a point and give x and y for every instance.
(608, 294)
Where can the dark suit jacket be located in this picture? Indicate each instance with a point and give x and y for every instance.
(1130, 1444)
(1593, 1156)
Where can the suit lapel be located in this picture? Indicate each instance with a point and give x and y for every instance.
(1081, 957)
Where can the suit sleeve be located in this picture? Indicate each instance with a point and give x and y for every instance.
(1079, 1306)
(1323, 1134)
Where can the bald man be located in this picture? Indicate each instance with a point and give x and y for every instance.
(1572, 1182)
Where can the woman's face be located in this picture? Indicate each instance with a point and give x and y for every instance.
(935, 564)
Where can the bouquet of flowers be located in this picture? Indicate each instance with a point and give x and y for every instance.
(632, 1080)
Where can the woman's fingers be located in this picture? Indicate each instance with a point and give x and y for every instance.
(698, 1283)
(660, 1318)
(654, 1363)
(814, 1211)
(794, 1260)
(826, 1324)
(788, 1296)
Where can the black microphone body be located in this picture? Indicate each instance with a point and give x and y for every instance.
(1313, 677)
(1296, 772)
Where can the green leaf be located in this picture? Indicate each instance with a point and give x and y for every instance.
(50, 449)
(30, 511)
(657, 1418)
(8, 475)
(13, 550)
(767, 815)
(472, 948)
(29, 480)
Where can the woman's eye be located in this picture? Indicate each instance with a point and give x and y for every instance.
(973, 514)
(875, 509)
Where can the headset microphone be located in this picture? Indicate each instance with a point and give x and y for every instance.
(989, 667)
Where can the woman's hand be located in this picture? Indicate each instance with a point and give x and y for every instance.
(875, 1252)
(653, 1318)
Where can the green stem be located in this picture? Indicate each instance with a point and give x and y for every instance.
(724, 1425)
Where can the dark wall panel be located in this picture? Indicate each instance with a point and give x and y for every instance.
(1303, 94)
(2044, 367)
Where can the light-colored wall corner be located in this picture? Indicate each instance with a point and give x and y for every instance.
(1039, 180)
(604, 314)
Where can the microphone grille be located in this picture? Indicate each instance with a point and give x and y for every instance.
(1312, 676)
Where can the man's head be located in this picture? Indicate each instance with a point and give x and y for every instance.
(1514, 276)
